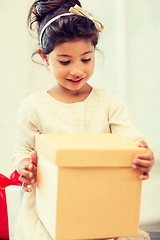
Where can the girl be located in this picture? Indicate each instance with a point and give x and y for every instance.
(67, 36)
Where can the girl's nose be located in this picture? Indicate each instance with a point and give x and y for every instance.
(76, 71)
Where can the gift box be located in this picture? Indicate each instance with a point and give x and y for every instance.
(86, 187)
(9, 187)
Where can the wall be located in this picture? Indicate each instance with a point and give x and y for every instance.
(128, 64)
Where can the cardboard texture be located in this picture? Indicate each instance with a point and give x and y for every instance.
(86, 187)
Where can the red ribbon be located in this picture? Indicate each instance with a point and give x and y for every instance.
(5, 182)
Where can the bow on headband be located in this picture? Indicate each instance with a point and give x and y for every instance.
(79, 11)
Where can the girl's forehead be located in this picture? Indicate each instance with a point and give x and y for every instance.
(70, 47)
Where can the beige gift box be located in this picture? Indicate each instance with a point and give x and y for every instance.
(86, 187)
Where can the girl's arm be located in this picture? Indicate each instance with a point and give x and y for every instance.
(24, 157)
(121, 123)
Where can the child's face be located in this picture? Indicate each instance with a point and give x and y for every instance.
(72, 63)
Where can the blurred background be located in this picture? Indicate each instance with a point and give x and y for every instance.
(127, 63)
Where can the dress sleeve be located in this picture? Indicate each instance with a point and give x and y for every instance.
(120, 120)
(28, 125)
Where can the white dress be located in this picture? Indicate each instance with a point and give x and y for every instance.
(101, 112)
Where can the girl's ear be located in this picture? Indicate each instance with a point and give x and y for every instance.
(43, 56)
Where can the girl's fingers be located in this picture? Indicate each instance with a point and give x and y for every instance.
(29, 177)
(28, 171)
(25, 173)
(26, 180)
(34, 158)
(26, 188)
(141, 169)
(142, 163)
(34, 171)
(143, 144)
(28, 165)
(148, 155)
(144, 176)
(31, 167)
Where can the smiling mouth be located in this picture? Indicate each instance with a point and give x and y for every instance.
(75, 80)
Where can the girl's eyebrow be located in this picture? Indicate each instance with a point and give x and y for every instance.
(86, 53)
(65, 55)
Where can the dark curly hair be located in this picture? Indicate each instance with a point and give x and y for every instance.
(66, 28)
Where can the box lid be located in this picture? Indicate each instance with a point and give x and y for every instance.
(87, 150)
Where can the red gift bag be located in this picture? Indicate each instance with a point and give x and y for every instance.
(5, 182)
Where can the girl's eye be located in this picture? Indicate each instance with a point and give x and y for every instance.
(64, 62)
(86, 60)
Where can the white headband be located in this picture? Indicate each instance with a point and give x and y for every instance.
(77, 10)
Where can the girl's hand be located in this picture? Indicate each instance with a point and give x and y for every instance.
(28, 171)
(144, 162)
